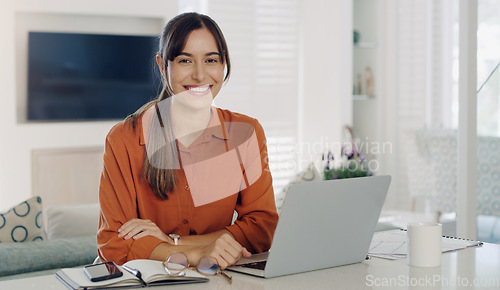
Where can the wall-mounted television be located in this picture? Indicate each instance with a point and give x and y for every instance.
(80, 77)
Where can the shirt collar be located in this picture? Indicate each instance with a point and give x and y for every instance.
(216, 126)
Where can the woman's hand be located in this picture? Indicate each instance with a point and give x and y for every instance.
(225, 249)
(220, 245)
(138, 228)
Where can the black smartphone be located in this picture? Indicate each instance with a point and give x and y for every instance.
(103, 271)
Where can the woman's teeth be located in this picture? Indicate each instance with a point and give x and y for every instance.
(198, 89)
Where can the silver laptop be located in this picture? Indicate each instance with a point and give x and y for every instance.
(322, 224)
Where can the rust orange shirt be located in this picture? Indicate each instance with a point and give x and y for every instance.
(224, 170)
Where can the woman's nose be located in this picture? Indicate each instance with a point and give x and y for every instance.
(198, 72)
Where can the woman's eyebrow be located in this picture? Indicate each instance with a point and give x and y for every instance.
(212, 53)
(206, 54)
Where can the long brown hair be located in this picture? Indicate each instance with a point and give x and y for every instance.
(159, 168)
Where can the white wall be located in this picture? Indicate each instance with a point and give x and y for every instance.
(19, 139)
(387, 103)
(326, 75)
(375, 119)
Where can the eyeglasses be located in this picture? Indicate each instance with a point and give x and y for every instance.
(176, 263)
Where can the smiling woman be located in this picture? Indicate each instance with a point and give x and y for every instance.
(176, 170)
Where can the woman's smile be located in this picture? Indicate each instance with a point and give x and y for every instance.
(198, 90)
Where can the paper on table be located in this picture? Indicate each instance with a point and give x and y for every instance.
(388, 244)
(393, 244)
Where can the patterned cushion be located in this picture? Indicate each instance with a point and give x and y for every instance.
(309, 174)
(23, 223)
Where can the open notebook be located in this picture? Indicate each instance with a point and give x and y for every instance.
(152, 272)
(393, 244)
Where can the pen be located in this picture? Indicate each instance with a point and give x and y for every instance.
(134, 272)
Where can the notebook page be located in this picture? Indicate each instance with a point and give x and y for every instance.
(393, 244)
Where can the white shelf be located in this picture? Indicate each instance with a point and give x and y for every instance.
(365, 44)
(362, 97)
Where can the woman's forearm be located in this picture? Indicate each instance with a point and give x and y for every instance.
(189, 245)
(202, 240)
(221, 246)
(163, 250)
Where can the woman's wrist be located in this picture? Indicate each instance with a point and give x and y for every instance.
(202, 240)
(193, 246)
(165, 249)
(175, 239)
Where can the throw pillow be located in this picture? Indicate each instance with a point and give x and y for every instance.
(23, 222)
(69, 221)
(309, 174)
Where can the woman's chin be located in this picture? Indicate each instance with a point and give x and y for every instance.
(194, 101)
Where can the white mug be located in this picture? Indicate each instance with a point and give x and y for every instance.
(424, 244)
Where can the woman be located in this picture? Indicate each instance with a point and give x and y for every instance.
(176, 170)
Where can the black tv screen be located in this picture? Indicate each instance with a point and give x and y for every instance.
(89, 76)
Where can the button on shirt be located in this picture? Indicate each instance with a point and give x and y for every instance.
(223, 170)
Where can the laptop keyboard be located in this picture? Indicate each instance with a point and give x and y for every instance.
(255, 265)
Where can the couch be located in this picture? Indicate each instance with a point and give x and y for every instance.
(69, 240)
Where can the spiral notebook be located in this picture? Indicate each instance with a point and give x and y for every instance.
(153, 274)
(393, 244)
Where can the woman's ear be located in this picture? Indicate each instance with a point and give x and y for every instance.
(161, 64)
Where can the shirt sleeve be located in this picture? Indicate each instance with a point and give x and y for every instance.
(118, 202)
(256, 208)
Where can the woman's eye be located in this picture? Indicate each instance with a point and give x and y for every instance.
(212, 60)
(184, 61)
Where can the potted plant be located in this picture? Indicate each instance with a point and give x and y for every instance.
(351, 164)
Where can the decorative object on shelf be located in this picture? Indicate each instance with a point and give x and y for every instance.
(369, 81)
(360, 85)
(356, 36)
(350, 165)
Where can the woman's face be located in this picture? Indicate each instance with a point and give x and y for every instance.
(197, 74)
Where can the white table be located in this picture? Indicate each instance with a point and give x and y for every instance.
(473, 265)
